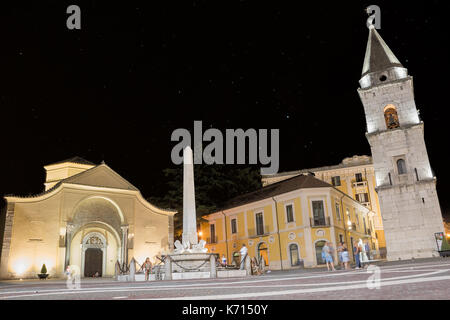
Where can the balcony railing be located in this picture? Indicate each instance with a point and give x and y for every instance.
(359, 184)
(320, 222)
(258, 232)
(211, 240)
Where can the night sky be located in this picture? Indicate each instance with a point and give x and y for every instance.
(116, 89)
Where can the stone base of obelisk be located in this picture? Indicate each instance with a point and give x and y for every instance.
(190, 266)
(197, 266)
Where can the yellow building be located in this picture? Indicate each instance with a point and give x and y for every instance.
(355, 176)
(287, 223)
(88, 216)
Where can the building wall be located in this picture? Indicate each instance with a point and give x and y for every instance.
(279, 234)
(38, 229)
(347, 172)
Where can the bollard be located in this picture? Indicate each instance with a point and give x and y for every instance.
(248, 265)
(132, 277)
(212, 261)
(168, 268)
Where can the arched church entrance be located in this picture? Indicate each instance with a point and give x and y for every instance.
(94, 255)
(98, 238)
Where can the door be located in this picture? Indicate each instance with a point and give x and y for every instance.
(262, 253)
(93, 262)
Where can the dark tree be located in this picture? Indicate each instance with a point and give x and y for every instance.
(214, 185)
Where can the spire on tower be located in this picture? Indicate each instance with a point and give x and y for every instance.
(378, 55)
(380, 63)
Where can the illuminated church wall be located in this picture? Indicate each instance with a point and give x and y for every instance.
(97, 203)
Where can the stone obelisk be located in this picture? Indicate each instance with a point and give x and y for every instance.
(189, 211)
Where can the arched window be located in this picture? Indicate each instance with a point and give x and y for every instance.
(293, 252)
(401, 166)
(262, 253)
(391, 117)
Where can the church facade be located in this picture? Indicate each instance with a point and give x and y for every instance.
(88, 216)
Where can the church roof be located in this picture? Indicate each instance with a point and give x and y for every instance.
(378, 55)
(288, 185)
(349, 162)
(75, 179)
(75, 159)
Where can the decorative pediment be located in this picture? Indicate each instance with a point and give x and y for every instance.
(101, 176)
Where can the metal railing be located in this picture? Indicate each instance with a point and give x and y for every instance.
(320, 222)
(258, 232)
(359, 184)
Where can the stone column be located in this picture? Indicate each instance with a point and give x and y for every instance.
(69, 234)
(248, 265)
(212, 261)
(132, 270)
(7, 236)
(168, 268)
(124, 256)
(171, 233)
(189, 211)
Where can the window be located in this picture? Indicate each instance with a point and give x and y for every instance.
(341, 238)
(391, 117)
(338, 213)
(293, 250)
(259, 224)
(401, 166)
(318, 212)
(358, 177)
(233, 226)
(336, 181)
(362, 197)
(212, 229)
(289, 213)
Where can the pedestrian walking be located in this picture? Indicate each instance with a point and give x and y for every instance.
(345, 258)
(339, 250)
(224, 261)
(147, 268)
(367, 247)
(356, 251)
(327, 253)
(243, 253)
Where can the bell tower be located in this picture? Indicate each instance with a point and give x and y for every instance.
(406, 185)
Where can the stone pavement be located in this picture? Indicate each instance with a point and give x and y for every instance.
(424, 279)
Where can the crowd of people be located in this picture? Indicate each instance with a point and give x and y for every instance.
(361, 252)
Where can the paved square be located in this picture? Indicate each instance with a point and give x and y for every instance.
(403, 280)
